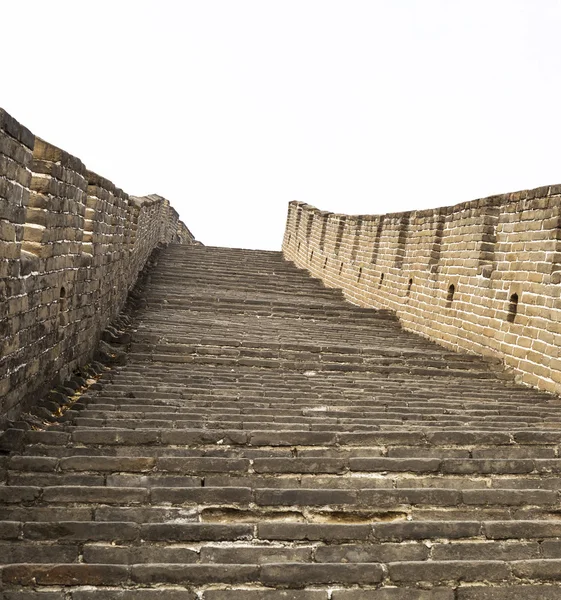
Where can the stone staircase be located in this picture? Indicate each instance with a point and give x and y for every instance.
(267, 440)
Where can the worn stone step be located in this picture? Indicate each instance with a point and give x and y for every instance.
(406, 443)
(285, 574)
(266, 440)
(279, 465)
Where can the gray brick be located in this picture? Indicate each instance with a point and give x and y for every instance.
(486, 551)
(395, 594)
(206, 495)
(15, 494)
(413, 465)
(31, 595)
(313, 531)
(133, 594)
(184, 532)
(22, 552)
(95, 494)
(527, 592)
(389, 498)
(295, 575)
(248, 594)
(80, 530)
(370, 553)
(420, 530)
(9, 530)
(194, 574)
(203, 465)
(107, 463)
(509, 497)
(130, 555)
(541, 570)
(254, 554)
(443, 571)
(310, 497)
(77, 574)
(502, 530)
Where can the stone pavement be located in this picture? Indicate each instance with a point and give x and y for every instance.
(266, 440)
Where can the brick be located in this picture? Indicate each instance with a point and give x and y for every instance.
(291, 438)
(77, 574)
(500, 530)
(420, 530)
(541, 569)
(301, 575)
(360, 553)
(32, 463)
(528, 592)
(183, 532)
(310, 497)
(313, 531)
(18, 494)
(509, 497)
(395, 594)
(80, 530)
(375, 498)
(94, 494)
(197, 437)
(30, 595)
(9, 530)
(256, 555)
(295, 465)
(31, 553)
(487, 551)
(203, 465)
(107, 463)
(443, 571)
(194, 574)
(266, 594)
(415, 465)
(127, 555)
(204, 495)
(133, 594)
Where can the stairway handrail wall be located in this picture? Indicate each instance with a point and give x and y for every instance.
(71, 247)
(482, 276)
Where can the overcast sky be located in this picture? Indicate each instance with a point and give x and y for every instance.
(232, 108)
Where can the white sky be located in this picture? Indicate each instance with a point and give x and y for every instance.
(232, 108)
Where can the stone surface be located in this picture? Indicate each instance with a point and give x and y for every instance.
(263, 439)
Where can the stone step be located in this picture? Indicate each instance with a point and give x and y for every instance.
(513, 439)
(266, 440)
(546, 500)
(285, 574)
(131, 543)
(343, 453)
(285, 465)
(464, 591)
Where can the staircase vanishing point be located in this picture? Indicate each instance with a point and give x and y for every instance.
(267, 440)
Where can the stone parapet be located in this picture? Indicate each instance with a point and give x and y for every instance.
(482, 276)
(71, 247)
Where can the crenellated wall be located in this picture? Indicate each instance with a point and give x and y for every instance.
(71, 247)
(481, 276)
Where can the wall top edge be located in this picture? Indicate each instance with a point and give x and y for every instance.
(16, 130)
(95, 180)
(549, 192)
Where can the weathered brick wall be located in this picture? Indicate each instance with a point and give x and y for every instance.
(482, 276)
(71, 247)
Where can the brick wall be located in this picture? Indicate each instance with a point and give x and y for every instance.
(71, 247)
(482, 276)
